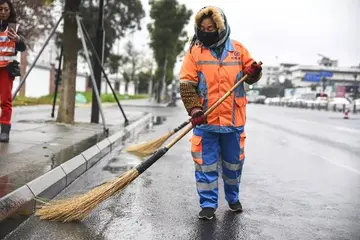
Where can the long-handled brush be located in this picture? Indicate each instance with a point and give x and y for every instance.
(148, 148)
(78, 207)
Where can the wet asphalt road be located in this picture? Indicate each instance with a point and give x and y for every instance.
(301, 180)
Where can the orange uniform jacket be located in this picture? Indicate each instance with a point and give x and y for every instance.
(213, 77)
(7, 49)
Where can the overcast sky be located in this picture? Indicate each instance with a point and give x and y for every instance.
(295, 31)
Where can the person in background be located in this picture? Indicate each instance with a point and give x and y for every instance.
(11, 42)
(213, 64)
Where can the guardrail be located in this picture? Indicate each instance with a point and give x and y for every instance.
(319, 106)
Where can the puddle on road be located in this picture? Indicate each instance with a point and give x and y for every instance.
(36, 121)
(121, 163)
(49, 161)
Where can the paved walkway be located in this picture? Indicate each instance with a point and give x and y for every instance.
(38, 144)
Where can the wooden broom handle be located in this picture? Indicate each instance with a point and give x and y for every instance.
(212, 108)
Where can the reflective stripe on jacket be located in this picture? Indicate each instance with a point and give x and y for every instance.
(7, 49)
(213, 77)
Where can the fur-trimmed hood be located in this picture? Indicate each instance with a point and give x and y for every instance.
(220, 20)
(215, 13)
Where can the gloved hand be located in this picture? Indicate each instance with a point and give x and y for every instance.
(197, 117)
(253, 70)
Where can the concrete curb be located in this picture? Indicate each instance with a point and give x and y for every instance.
(18, 205)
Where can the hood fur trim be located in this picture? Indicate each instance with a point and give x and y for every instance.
(217, 17)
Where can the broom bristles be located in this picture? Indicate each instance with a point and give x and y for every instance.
(148, 148)
(78, 207)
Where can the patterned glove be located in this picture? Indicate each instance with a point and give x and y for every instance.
(254, 71)
(197, 117)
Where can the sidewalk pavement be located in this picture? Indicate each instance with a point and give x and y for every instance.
(43, 157)
(145, 102)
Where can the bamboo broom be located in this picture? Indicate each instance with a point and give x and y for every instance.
(148, 148)
(78, 207)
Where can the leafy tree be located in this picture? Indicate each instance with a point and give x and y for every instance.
(132, 63)
(35, 18)
(168, 37)
(120, 17)
(144, 80)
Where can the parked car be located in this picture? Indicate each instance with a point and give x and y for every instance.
(307, 100)
(260, 99)
(295, 101)
(356, 102)
(267, 101)
(338, 104)
(321, 102)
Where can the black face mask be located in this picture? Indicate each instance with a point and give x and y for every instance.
(208, 38)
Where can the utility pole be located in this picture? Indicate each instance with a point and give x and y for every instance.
(356, 87)
(97, 67)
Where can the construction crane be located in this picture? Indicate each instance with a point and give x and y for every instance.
(326, 61)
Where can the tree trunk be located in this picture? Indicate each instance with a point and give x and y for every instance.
(162, 83)
(117, 86)
(126, 87)
(67, 103)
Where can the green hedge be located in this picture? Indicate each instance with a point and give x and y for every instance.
(27, 101)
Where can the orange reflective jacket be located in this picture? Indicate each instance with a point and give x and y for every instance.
(7, 49)
(214, 76)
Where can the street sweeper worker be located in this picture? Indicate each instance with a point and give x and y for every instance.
(10, 44)
(211, 66)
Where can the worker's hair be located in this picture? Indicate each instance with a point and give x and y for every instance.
(12, 17)
(192, 42)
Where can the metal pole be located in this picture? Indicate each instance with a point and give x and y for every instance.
(324, 84)
(95, 89)
(97, 70)
(57, 82)
(103, 71)
(356, 86)
(37, 58)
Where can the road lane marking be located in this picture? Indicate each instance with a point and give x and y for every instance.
(335, 163)
(351, 130)
(346, 167)
(320, 139)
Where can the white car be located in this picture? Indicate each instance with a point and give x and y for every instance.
(357, 104)
(294, 101)
(338, 104)
(267, 101)
(321, 102)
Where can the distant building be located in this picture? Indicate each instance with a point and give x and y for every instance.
(269, 76)
(341, 76)
(284, 71)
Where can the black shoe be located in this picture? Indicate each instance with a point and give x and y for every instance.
(236, 207)
(207, 213)
(4, 135)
